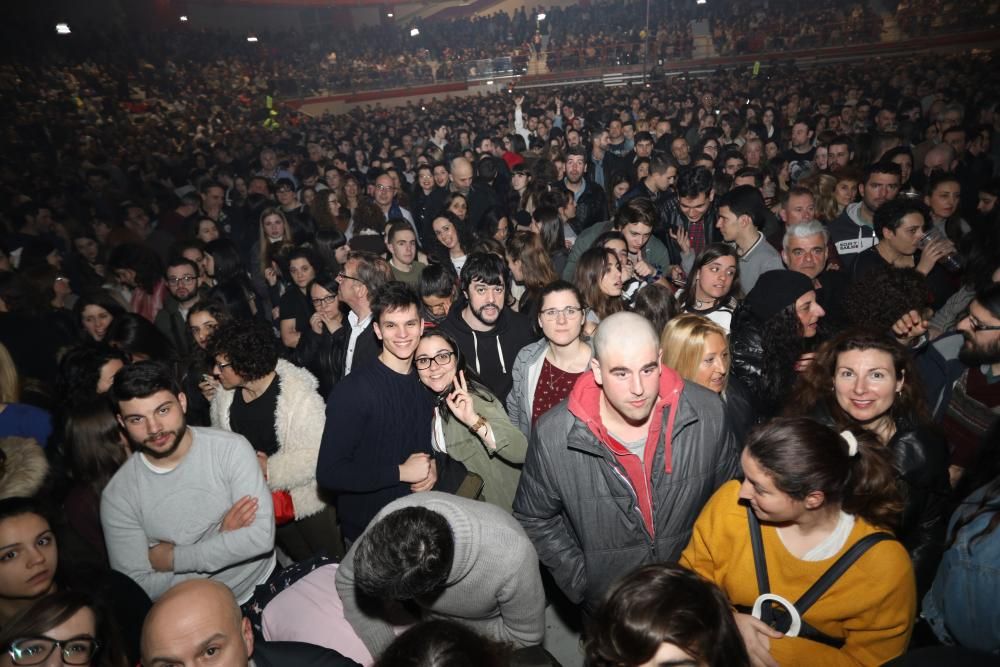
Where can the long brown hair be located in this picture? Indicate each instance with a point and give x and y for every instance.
(590, 269)
(815, 385)
(94, 443)
(803, 456)
(536, 267)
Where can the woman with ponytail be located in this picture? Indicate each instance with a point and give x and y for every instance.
(809, 496)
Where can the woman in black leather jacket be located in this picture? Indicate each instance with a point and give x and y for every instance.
(868, 380)
(771, 337)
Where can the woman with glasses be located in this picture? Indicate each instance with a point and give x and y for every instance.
(470, 424)
(322, 345)
(62, 629)
(545, 371)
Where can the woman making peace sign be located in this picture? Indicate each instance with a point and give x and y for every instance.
(470, 424)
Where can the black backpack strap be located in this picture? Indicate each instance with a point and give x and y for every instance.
(837, 570)
(760, 564)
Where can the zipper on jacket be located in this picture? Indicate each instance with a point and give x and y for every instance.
(635, 497)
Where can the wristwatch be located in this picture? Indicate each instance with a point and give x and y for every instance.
(481, 422)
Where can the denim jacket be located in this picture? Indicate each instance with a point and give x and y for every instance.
(961, 606)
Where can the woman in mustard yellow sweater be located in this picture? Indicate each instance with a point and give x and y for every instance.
(813, 495)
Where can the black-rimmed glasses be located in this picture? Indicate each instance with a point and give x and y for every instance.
(440, 359)
(36, 650)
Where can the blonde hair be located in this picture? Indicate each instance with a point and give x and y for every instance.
(825, 188)
(10, 382)
(683, 343)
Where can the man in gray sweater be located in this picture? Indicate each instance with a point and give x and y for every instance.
(453, 558)
(191, 502)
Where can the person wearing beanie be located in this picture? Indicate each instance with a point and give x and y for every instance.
(773, 335)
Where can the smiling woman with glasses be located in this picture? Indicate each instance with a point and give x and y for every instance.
(545, 371)
(64, 628)
(470, 424)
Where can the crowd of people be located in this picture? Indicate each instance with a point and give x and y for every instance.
(709, 366)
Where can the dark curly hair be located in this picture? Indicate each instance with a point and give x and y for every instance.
(249, 345)
(885, 295)
(782, 344)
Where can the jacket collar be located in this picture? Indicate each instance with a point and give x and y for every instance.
(585, 404)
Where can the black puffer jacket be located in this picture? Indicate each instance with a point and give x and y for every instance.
(920, 458)
(591, 207)
(746, 347)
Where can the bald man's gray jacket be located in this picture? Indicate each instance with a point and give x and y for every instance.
(582, 511)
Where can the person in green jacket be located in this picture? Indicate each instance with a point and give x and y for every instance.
(470, 424)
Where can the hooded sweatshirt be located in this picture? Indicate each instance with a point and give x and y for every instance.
(851, 235)
(585, 404)
(491, 353)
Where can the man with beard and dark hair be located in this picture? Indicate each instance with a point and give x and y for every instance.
(974, 404)
(488, 334)
(591, 204)
(197, 495)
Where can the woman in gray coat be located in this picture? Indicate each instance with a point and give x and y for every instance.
(545, 371)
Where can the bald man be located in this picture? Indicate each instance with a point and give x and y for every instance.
(616, 475)
(199, 620)
(479, 195)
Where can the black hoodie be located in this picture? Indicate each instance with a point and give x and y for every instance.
(491, 353)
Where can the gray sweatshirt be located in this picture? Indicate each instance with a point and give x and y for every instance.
(494, 587)
(185, 506)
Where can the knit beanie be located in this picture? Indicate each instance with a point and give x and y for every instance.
(776, 290)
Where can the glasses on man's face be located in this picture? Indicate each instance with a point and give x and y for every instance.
(569, 312)
(384, 188)
(36, 650)
(344, 276)
(440, 359)
(222, 366)
(322, 301)
(186, 280)
(975, 325)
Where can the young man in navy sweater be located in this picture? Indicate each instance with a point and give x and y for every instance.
(376, 446)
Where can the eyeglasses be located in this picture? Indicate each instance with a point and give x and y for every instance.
(384, 188)
(976, 325)
(569, 312)
(342, 275)
(440, 359)
(36, 650)
(324, 300)
(222, 366)
(187, 280)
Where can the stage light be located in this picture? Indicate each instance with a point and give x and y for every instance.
(541, 16)
(184, 19)
(701, 2)
(62, 28)
(252, 38)
(490, 82)
(414, 32)
(389, 14)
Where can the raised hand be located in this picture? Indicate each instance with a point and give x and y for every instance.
(460, 402)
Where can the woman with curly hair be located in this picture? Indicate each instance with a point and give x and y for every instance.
(665, 615)
(862, 379)
(773, 335)
(599, 279)
(325, 210)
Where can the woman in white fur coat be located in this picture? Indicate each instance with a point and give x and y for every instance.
(275, 405)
